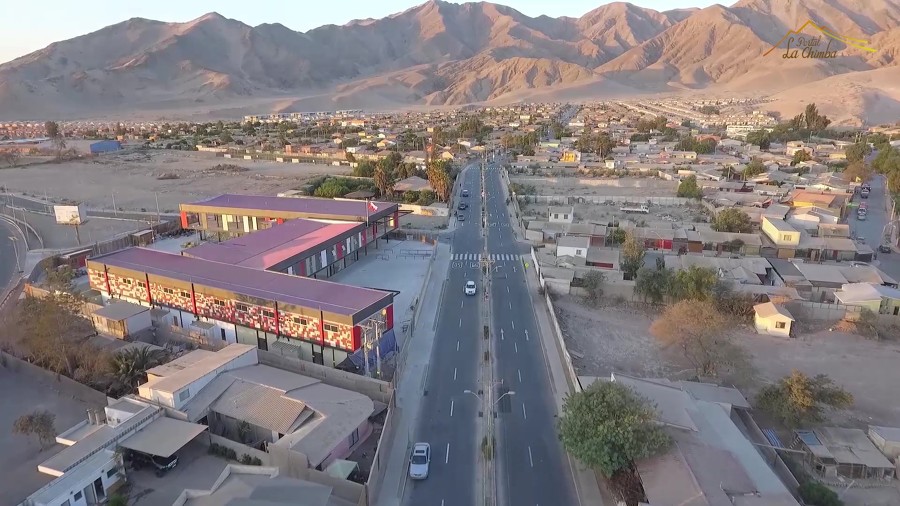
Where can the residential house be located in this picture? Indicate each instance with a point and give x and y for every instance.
(773, 319)
(603, 258)
(561, 214)
(412, 183)
(833, 452)
(831, 201)
(575, 246)
(596, 233)
(887, 440)
(712, 461)
(785, 237)
(879, 299)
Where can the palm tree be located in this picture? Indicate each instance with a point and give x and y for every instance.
(129, 367)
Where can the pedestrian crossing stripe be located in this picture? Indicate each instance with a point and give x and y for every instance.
(476, 257)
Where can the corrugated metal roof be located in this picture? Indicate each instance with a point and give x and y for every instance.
(260, 405)
(352, 210)
(304, 292)
(265, 248)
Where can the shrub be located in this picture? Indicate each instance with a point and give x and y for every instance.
(816, 494)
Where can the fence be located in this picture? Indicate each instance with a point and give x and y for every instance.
(61, 384)
(380, 460)
(87, 308)
(378, 390)
(239, 449)
(607, 200)
(806, 310)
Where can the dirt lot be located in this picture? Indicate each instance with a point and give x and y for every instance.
(583, 187)
(660, 216)
(617, 339)
(134, 179)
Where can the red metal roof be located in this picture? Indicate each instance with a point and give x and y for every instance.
(304, 292)
(266, 248)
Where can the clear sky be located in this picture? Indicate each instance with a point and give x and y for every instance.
(33, 24)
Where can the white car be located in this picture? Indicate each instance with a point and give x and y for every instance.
(470, 288)
(419, 460)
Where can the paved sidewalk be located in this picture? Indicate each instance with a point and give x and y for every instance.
(409, 390)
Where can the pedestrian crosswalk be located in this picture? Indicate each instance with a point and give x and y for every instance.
(476, 257)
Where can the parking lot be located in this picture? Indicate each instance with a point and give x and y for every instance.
(196, 469)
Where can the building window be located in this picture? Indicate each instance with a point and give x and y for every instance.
(578, 252)
(555, 216)
(219, 302)
(168, 291)
(186, 295)
(77, 496)
(184, 395)
(780, 325)
(785, 237)
(354, 436)
(244, 308)
(301, 321)
(142, 284)
(111, 472)
(330, 327)
(268, 313)
(223, 333)
(126, 281)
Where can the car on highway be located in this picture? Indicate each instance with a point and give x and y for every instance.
(471, 288)
(884, 248)
(465, 193)
(461, 217)
(419, 461)
(462, 206)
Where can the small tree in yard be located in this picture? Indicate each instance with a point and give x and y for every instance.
(593, 285)
(700, 331)
(632, 256)
(732, 220)
(798, 399)
(607, 427)
(816, 494)
(688, 188)
(39, 424)
(653, 284)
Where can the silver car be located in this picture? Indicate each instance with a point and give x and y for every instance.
(419, 461)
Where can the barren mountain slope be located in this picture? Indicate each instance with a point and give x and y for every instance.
(441, 53)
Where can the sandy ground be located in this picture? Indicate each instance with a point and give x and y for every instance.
(132, 179)
(582, 187)
(662, 217)
(93, 230)
(617, 339)
(20, 455)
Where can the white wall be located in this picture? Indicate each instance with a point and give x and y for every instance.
(138, 322)
(767, 326)
(81, 485)
(571, 251)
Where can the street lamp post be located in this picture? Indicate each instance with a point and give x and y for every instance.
(15, 241)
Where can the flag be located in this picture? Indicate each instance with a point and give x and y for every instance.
(372, 206)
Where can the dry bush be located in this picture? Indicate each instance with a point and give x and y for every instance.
(701, 332)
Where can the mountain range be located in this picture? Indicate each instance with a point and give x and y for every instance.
(447, 54)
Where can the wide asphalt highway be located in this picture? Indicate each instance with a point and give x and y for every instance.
(448, 416)
(534, 469)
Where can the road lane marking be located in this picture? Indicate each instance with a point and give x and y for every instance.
(524, 415)
(454, 374)
(517, 347)
(514, 324)
(510, 302)
(530, 458)
(457, 345)
(520, 374)
(501, 335)
(447, 458)
(460, 322)
(507, 289)
(461, 303)
(451, 407)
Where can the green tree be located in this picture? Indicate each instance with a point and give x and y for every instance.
(633, 252)
(732, 220)
(332, 188)
(693, 283)
(410, 197)
(39, 424)
(117, 500)
(225, 137)
(53, 332)
(760, 138)
(815, 494)
(798, 400)
(699, 330)
(886, 161)
(593, 285)
(755, 168)
(438, 172)
(607, 427)
(652, 285)
(709, 109)
(858, 170)
(810, 120)
(617, 236)
(384, 180)
(857, 152)
(426, 198)
(688, 188)
(801, 156)
(364, 168)
(129, 367)
(893, 182)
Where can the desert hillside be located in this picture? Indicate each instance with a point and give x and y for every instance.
(441, 53)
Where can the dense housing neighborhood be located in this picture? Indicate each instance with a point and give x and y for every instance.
(287, 278)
